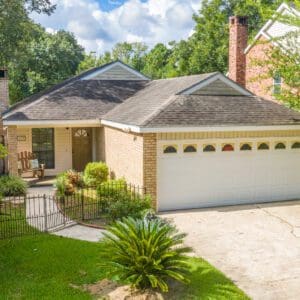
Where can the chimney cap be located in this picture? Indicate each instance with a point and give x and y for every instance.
(241, 20)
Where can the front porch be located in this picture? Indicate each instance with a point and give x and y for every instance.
(58, 147)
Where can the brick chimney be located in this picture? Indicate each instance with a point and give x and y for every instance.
(4, 96)
(238, 37)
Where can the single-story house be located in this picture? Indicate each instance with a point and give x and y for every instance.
(192, 141)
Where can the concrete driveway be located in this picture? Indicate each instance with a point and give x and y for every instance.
(257, 246)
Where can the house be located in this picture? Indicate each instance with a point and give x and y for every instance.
(243, 58)
(192, 141)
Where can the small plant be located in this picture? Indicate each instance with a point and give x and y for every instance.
(63, 185)
(118, 201)
(75, 178)
(146, 253)
(12, 186)
(95, 173)
(3, 151)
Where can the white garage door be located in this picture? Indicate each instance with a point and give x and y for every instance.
(203, 179)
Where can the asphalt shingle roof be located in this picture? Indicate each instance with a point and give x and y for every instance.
(145, 103)
(80, 100)
(197, 110)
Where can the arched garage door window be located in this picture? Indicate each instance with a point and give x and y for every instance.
(227, 148)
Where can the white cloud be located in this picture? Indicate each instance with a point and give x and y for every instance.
(150, 22)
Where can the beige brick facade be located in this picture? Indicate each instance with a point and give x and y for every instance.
(254, 72)
(12, 146)
(150, 166)
(124, 154)
(132, 156)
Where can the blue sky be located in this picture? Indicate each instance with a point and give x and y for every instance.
(108, 5)
(99, 24)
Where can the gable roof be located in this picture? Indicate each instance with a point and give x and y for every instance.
(275, 29)
(116, 70)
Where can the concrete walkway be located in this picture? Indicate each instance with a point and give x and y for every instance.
(257, 246)
(46, 215)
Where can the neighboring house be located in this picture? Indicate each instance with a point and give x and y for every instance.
(243, 58)
(192, 141)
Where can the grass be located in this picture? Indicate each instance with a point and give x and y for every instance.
(13, 220)
(46, 267)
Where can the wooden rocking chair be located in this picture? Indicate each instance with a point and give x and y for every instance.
(25, 162)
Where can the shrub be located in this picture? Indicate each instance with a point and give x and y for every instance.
(95, 173)
(117, 201)
(75, 178)
(12, 186)
(63, 185)
(146, 253)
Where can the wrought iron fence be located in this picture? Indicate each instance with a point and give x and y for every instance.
(34, 214)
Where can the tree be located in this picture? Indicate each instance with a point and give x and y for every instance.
(156, 61)
(210, 41)
(283, 61)
(49, 59)
(16, 28)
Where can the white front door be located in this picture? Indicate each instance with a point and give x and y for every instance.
(203, 179)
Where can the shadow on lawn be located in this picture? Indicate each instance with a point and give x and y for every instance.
(206, 283)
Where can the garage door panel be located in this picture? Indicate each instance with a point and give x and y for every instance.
(202, 180)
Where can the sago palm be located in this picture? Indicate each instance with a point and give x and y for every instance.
(146, 253)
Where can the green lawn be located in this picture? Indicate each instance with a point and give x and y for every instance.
(46, 267)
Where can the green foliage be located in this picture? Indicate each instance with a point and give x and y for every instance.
(146, 253)
(67, 182)
(3, 151)
(95, 173)
(117, 200)
(12, 186)
(52, 58)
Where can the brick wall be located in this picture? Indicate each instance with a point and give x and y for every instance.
(238, 35)
(12, 146)
(124, 154)
(258, 86)
(132, 156)
(150, 166)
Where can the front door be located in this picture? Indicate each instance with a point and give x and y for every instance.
(81, 147)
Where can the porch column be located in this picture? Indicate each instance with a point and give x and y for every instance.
(150, 166)
(12, 150)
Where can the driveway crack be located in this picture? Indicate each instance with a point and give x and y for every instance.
(292, 231)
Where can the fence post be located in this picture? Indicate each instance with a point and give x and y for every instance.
(45, 213)
(82, 205)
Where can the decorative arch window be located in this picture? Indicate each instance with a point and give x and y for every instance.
(190, 149)
(81, 133)
(263, 146)
(246, 147)
(209, 148)
(280, 146)
(170, 149)
(296, 145)
(227, 148)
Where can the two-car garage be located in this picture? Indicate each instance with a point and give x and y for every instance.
(196, 173)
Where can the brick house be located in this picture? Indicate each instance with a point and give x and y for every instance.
(243, 58)
(192, 141)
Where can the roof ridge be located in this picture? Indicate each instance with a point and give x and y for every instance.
(186, 76)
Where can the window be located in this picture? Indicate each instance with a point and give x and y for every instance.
(170, 149)
(263, 146)
(43, 146)
(227, 147)
(80, 133)
(280, 146)
(246, 147)
(277, 84)
(209, 148)
(190, 148)
(296, 145)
